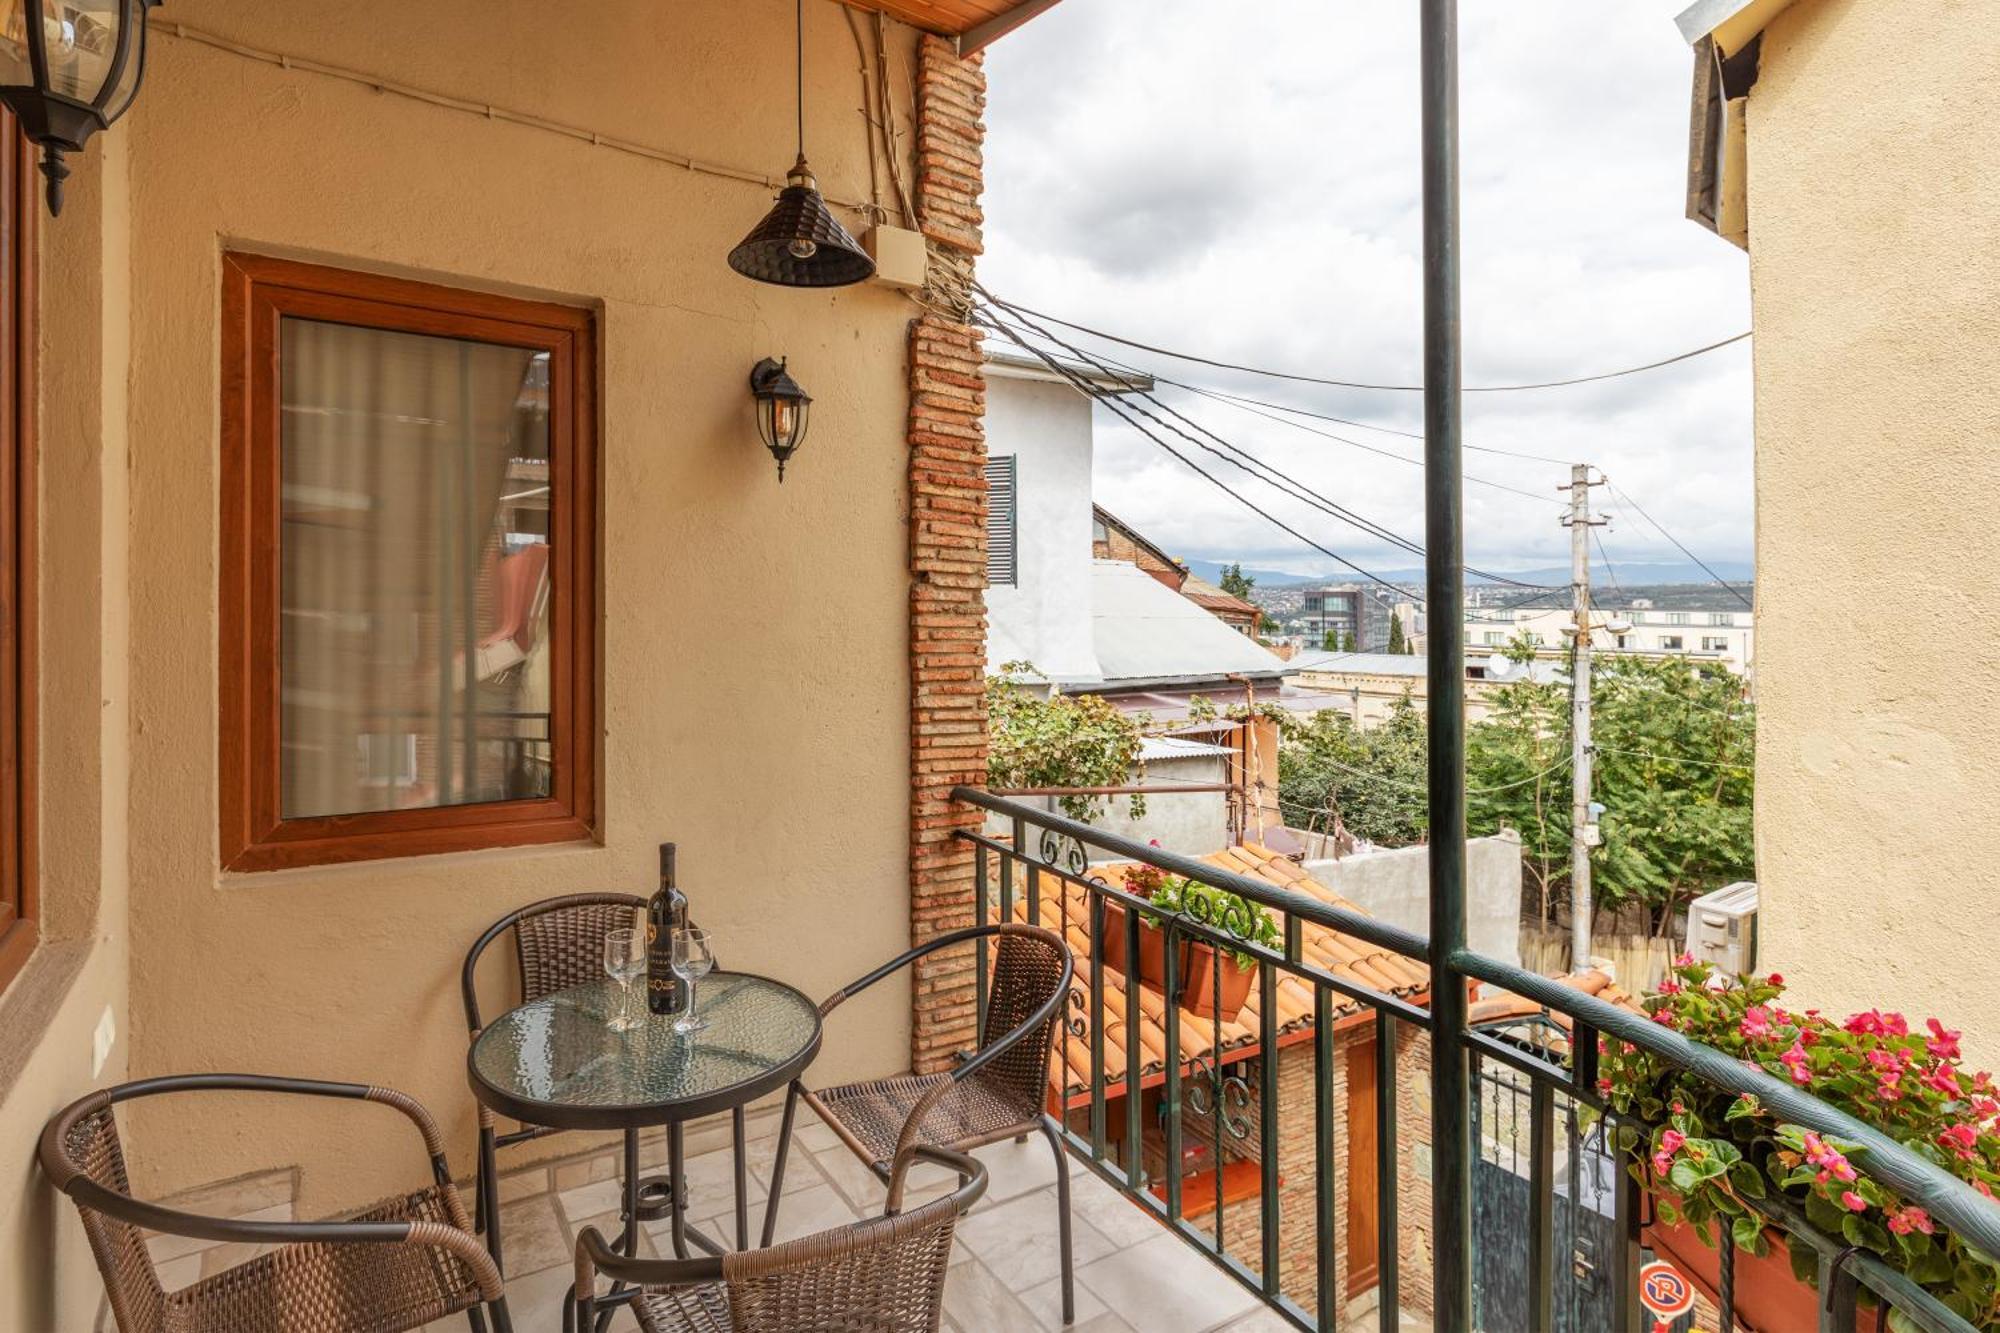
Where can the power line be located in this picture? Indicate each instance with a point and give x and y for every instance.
(1418, 786)
(1251, 405)
(1089, 390)
(1389, 388)
(1256, 467)
(1730, 587)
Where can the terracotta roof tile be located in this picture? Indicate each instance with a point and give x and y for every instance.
(1342, 955)
(1498, 1006)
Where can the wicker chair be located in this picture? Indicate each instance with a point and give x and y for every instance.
(884, 1275)
(398, 1265)
(999, 1092)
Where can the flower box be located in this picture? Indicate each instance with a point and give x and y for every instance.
(1769, 1297)
(1152, 949)
(1199, 964)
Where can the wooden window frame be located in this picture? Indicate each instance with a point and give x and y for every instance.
(257, 293)
(20, 906)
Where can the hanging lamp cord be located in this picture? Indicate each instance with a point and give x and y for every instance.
(799, 28)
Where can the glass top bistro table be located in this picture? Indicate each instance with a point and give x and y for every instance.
(554, 1062)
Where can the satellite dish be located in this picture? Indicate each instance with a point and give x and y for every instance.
(1497, 664)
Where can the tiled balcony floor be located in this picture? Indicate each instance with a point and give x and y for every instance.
(1131, 1274)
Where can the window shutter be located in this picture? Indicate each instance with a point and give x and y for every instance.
(1001, 566)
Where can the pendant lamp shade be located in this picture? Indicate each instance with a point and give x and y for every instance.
(800, 243)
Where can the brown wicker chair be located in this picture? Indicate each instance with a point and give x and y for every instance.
(885, 1275)
(398, 1265)
(558, 943)
(999, 1092)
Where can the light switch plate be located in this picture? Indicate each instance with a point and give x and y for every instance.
(101, 1041)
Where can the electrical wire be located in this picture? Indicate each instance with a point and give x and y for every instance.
(1389, 388)
(1246, 405)
(1672, 759)
(1256, 467)
(1728, 586)
(1421, 787)
(1110, 401)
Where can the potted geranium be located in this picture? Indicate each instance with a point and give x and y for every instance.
(1707, 1154)
(1202, 962)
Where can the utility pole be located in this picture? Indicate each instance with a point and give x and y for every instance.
(1581, 825)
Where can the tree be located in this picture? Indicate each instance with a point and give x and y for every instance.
(1371, 781)
(1397, 644)
(1236, 583)
(1349, 646)
(1332, 641)
(1058, 740)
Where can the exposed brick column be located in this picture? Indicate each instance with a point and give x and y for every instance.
(947, 550)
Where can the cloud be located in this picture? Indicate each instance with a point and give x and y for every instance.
(1245, 184)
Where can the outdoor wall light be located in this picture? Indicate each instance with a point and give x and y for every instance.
(800, 243)
(68, 68)
(782, 407)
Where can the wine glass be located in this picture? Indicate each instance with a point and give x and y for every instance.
(625, 960)
(693, 960)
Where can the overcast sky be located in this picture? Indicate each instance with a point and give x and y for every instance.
(1243, 182)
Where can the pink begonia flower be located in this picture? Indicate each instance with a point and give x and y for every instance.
(1604, 1087)
(1985, 1108)
(1670, 987)
(1942, 1079)
(1685, 960)
(1671, 1141)
(1982, 1187)
(1798, 1065)
(1664, 1017)
(1895, 1025)
(1868, 1024)
(1886, 1089)
(1756, 1024)
(1905, 1220)
(1853, 1202)
(1963, 1140)
(1775, 979)
(1943, 1041)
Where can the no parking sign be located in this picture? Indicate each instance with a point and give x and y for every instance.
(1665, 1292)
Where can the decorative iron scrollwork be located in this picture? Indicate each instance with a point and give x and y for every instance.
(1226, 1096)
(1063, 852)
(1223, 914)
(1078, 1021)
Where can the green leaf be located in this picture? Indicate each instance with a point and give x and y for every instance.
(1746, 1180)
(1746, 1105)
(1824, 1213)
(1685, 1176)
(1667, 1212)
(1748, 1233)
(1805, 1265)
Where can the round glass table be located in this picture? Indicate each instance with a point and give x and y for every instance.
(555, 1062)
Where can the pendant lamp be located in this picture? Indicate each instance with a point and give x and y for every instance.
(800, 243)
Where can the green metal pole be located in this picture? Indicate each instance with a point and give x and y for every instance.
(1444, 540)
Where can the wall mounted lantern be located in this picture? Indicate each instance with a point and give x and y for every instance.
(800, 243)
(782, 407)
(68, 68)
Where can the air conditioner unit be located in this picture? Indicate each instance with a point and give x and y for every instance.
(1722, 928)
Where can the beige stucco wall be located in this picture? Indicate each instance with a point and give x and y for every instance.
(754, 654)
(49, 1014)
(1875, 263)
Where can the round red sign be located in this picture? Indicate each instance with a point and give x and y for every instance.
(1664, 1291)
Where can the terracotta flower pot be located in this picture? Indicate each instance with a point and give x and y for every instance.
(1199, 968)
(1769, 1299)
(1152, 949)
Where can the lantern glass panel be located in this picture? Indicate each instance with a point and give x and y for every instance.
(128, 78)
(15, 68)
(81, 37)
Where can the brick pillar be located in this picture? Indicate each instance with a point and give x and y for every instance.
(947, 549)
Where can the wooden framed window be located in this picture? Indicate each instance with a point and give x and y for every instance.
(409, 564)
(19, 202)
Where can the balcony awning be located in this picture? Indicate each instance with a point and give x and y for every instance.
(976, 23)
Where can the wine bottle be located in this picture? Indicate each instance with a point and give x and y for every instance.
(666, 913)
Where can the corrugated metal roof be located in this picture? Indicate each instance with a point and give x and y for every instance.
(1153, 748)
(1145, 630)
(1342, 955)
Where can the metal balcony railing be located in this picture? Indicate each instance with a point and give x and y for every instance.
(1569, 1186)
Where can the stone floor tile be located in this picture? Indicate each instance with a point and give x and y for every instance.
(605, 1196)
(1014, 1169)
(608, 1226)
(810, 1130)
(534, 1302)
(865, 1190)
(521, 1184)
(581, 1171)
(800, 1171)
(1045, 1303)
(711, 1183)
(1122, 1221)
(532, 1236)
(1017, 1241)
(817, 1209)
(1197, 1296)
(1104, 1323)
(978, 1302)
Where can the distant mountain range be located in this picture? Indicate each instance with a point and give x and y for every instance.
(1633, 573)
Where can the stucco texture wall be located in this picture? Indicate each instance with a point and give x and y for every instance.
(1875, 259)
(754, 641)
(1045, 617)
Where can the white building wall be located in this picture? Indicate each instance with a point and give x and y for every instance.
(1045, 618)
(1725, 636)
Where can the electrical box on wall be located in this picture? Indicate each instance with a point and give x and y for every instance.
(899, 255)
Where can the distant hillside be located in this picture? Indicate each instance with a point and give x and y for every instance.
(1622, 574)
